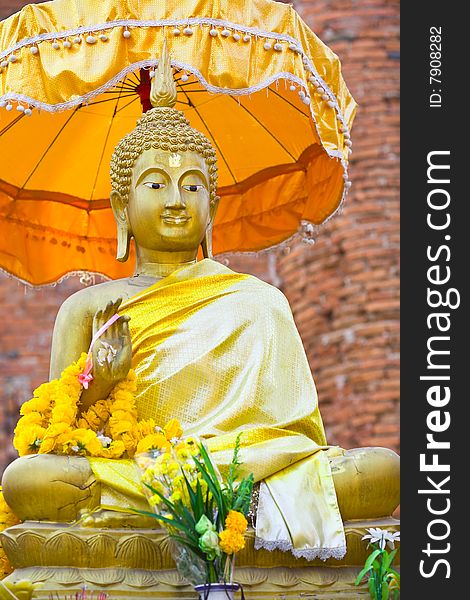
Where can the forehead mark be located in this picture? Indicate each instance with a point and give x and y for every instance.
(174, 160)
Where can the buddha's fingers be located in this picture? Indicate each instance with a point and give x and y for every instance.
(97, 320)
(111, 309)
(124, 324)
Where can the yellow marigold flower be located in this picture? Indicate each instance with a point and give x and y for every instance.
(63, 414)
(120, 395)
(32, 418)
(57, 429)
(89, 422)
(231, 541)
(45, 389)
(87, 441)
(121, 415)
(39, 404)
(27, 440)
(173, 429)
(119, 427)
(48, 445)
(115, 450)
(155, 441)
(146, 427)
(122, 405)
(63, 439)
(129, 443)
(236, 521)
(101, 410)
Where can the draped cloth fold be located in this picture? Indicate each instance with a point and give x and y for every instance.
(220, 352)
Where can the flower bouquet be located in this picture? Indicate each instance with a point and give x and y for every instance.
(204, 513)
(383, 581)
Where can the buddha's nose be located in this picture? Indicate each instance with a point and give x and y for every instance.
(174, 200)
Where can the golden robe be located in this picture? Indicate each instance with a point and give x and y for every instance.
(220, 352)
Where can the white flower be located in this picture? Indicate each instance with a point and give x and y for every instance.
(392, 538)
(105, 440)
(75, 448)
(382, 536)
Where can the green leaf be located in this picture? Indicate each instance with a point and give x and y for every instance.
(199, 500)
(216, 492)
(243, 495)
(361, 575)
(192, 495)
(387, 559)
(371, 586)
(176, 523)
(208, 463)
(174, 509)
(371, 558)
(396, 574)
(385, 592)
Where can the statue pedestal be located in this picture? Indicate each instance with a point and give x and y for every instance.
(136, 563)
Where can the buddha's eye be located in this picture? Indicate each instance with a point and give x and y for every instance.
(193, 188)
(154, 186)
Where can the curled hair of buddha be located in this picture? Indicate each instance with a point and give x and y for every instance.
(164, 128)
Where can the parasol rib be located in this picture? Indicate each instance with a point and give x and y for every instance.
(216, 144)
(7, 127)
(47, 150)
(212, 137)
(265, 128)
(107, 100)
(128, 104)
(106, 141)
(290, 103)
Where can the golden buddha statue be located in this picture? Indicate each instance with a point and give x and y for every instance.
(216, 349)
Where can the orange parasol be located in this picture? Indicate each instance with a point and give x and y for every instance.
(251, 76)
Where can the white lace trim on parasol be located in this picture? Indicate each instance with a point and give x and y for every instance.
(294, 45)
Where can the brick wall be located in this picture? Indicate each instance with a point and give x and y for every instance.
(343, 290)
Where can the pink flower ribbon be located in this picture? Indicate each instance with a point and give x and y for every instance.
(85, 377)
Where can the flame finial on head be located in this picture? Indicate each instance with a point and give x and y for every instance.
(163, 87)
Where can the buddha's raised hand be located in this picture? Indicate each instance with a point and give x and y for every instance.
(112, 352)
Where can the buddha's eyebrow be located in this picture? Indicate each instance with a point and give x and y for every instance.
(157, 168)
(194, 171)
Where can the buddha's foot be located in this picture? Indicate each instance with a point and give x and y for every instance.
(367, 481)
(113, 519)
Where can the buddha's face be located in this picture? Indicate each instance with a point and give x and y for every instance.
(169, 202)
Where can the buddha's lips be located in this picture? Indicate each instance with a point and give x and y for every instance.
(175, 219)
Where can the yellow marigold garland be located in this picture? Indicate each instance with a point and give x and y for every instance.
(7, 519)
(50, 422)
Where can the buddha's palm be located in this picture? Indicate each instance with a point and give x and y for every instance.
(112, 352)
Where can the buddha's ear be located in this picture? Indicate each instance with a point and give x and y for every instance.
(119, 206)
(206, 243)
(213, 209)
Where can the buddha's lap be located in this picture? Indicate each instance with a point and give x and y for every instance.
(58, 488)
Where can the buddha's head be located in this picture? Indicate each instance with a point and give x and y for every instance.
(164, 177)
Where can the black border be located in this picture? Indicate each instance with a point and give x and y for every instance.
(425, 129)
